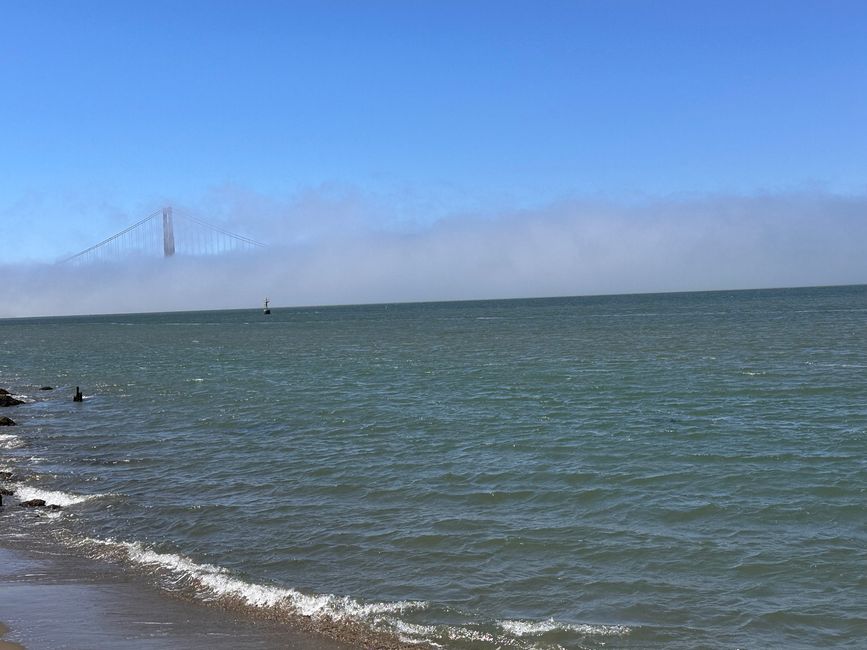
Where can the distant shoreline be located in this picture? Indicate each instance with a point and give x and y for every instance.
(257, 309)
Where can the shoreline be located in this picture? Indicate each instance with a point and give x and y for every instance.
(8, 645)
(55, 596)
(53, 600)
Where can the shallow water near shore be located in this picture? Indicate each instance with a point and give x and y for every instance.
(671, 471)
(52, 600)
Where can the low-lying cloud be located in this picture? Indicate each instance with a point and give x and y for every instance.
(328, 248)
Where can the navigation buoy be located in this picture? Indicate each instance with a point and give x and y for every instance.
(266, 311)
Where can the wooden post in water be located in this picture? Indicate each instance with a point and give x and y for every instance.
(78, 396)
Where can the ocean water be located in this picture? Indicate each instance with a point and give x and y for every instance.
(653, 471)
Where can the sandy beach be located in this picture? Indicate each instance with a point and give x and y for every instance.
(52, 601)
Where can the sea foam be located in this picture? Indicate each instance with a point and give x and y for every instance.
(10, 441)
(54, 498)
(217, 583)
(534, 628)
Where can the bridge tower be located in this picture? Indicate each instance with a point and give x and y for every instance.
(168, 232)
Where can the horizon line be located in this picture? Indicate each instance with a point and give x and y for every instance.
(445, 301)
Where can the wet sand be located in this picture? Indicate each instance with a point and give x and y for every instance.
(52, 601)
(7, 645)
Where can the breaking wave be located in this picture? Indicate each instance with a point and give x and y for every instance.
(10, 441)
(534, 628)
(216, 584)
(54, 498)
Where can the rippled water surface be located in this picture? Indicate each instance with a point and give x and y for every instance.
(673, 471)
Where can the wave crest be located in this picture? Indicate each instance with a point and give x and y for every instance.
(218, 582)
(534, 628)
(54, 498)
(10, 441)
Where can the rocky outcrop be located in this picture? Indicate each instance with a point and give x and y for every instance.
(6, 422)
(8, 400)
(39, 503)
(46, 388)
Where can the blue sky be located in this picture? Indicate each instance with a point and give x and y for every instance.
(421, 112)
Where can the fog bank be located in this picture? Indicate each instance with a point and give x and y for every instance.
(335, 250)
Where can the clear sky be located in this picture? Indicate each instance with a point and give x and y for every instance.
(418, 114)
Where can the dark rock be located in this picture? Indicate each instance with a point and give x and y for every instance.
(46, 388)
(3, 391)
(33, 503)
(6, 475)
(8, 400)
(6, 492)
(6, 422)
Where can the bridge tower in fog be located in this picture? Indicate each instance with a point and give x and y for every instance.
(168, 232)
(177, 233)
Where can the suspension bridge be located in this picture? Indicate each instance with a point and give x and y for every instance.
(165, 232)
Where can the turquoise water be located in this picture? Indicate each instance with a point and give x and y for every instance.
(676, 470)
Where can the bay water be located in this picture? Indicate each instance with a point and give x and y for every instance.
(672, 470)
